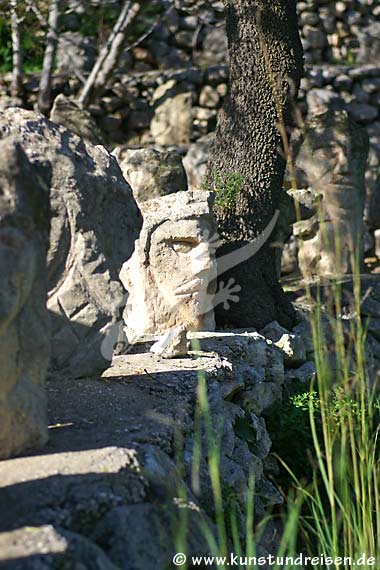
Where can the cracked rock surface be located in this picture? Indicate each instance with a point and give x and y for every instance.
(24, 320)
(94, 222)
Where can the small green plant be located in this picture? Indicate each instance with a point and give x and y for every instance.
(350, 59)
(292, 440)
(226, 187)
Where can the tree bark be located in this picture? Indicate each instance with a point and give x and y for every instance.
(109, 54)
(44, 93)
(16, 86)
(247, 164)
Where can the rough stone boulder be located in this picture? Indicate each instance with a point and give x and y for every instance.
(215, 48)
(76, 54)
(330, 160)
(152, 173)
(67, 113)
(170, 277)
(172, 121)
(369, 44)
(322, 100)
(195, 161)
(24, 320)
(94, 223)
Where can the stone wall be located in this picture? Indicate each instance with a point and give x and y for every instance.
(193, 33)
(354, 88)
(333, 32)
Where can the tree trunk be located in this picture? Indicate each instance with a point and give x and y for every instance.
(110, 53)
(44, 93)
(247, 164)
(16, 86)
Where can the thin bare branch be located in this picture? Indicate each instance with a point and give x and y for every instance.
(150, 30)
(34, 8)
(110, 53)
(16, 86)
(44, 94)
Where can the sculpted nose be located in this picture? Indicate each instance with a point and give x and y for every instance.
(342, 164)
(201, 259)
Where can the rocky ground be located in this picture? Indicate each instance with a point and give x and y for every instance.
(104, 491)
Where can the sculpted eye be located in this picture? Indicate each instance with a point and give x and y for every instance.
(182, 246)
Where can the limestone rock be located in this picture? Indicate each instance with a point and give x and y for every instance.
(374, 327)
(289, 257)
(7, 101)
(245, 444)
(67, 113)
(108, 487)
(171, 274)
(215, 49)
(323, 100)
(294, 349)
(195, 161)
(377, 243)
(260, 398)
(373, 346)
(209, 97)
(37, 548)
(363, 113)
(76, 53)
(95, 221)
(372, 179)
(263, 361)
(24, 320)
(172, 121)
(172, 344)
(153, 173)
(137, 536)
(274, 331)
(301, 377)
(369, 51)
(291, 344)
(315, 36)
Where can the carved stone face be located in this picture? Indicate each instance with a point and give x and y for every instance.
(172, 275)
(183, 267)
(331, 161)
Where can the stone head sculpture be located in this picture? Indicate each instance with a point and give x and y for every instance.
(330, 159)
(171, 275)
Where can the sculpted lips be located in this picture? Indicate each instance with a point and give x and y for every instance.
(189, 288)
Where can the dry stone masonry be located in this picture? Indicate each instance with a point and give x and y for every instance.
(194, 32)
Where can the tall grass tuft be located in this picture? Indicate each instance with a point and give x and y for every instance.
(342, 502)
(337, 512)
